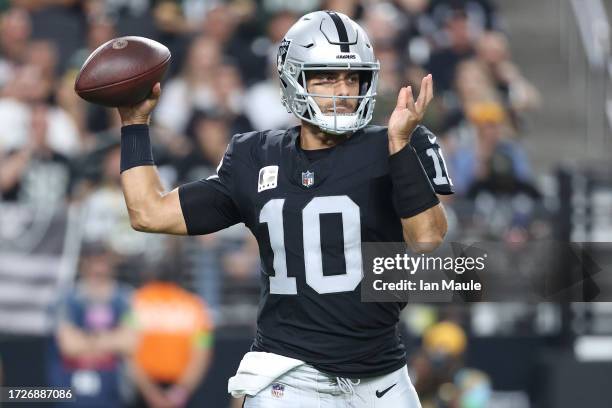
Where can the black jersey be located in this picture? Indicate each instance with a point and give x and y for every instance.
(310, 219)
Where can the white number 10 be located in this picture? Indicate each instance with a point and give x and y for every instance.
(280, 283)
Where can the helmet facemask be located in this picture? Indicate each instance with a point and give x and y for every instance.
(302, 103)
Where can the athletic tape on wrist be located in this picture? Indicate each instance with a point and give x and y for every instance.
(412, 190)
(135, 147)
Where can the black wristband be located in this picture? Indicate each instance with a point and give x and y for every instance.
(412, 190)
(135, 147)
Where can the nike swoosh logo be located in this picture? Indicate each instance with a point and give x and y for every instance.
(379, 394)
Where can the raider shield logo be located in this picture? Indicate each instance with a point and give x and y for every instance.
(282, 54)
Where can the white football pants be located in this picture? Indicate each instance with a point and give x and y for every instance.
(307, 387)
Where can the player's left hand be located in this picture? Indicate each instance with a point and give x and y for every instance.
(408, 114)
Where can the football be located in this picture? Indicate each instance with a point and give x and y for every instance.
(122, 71)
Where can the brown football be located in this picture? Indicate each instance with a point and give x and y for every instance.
(122, 71)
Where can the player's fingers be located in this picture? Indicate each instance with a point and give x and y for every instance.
(420, 103)
(156, 91)
(428, 92)
(402, 99)
(430, 89)
(410, 99)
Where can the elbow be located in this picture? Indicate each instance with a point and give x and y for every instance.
(138, 225)
(425, 247)
(140, 221)
(425, 232)
(427, 243)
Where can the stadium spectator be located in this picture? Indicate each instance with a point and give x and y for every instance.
(93, 334)
(35, 173)
(501, 177)
(220, 24)
(473, 389)
(481, 13)
(383, 23)
(211, 135)
(389, 79)
(352, 8)
(437, 116)
(130, 17)
(229, 93)
(240, 261)
(100, 29)
(456, 44)
(510, 204)
(262, 104)
(47, 15)
(170, 19)
(440, 377)
(488, 132)
(474, 84)
(193, 88)
(15, 31)
(276, 28)
(297, 7)
(418, 30)
(27, 88)
(494, 53)
(88, 117)
(237, 33)
(106, 219)
(175, 347)
(43, 55)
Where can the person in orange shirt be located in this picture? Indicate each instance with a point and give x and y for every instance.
(175, 345)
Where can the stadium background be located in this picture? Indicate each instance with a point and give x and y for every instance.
(523, 110)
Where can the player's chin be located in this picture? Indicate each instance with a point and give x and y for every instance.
(339, 111)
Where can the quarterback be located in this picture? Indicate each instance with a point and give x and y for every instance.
(312, 195)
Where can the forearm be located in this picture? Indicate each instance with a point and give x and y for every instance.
(73, 342)
(425, 231)
(195, 371)
(421, 213)
(142, 190)
(121, 340)
(150, 208)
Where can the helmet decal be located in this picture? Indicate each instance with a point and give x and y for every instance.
(283, 48)
(342, 35)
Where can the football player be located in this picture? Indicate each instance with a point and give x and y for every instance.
(312, 195)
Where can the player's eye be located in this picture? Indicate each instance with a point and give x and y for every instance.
(353, 79)
(326, 78)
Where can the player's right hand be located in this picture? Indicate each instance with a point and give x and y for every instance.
(140, 113)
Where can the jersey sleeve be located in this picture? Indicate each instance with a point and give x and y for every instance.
(207, 204)
(432, 159)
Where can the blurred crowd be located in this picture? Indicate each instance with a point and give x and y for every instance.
(56, 150)
(115, 346)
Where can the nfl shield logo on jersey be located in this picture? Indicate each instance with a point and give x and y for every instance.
(278, 390)
(307, 178)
